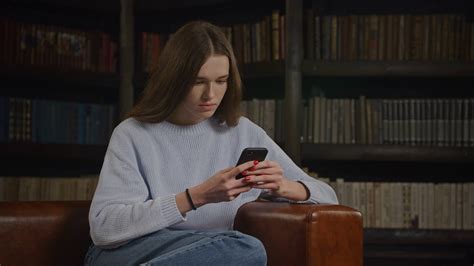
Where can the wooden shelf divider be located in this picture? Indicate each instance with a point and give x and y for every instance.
(381, 236)
(387, 153)
(56, 152)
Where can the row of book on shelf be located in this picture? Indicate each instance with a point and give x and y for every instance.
(252, 42)
(33, 188)
(414, 121)
(437, 122)
(410, 121)
(152, 44)
(47, 121)
(408, 205)
(267, 113)
(401, 37)
(394, 37)
(42, 45)
(447, 37)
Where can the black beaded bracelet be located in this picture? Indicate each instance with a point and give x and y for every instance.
(190, 199)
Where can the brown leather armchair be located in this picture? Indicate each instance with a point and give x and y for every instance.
(304, 234)
(57, 233)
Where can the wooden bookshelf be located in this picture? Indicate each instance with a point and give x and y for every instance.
(386, 153)
(57, 80)
(388, 245)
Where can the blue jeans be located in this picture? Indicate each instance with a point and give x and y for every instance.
(183, 247)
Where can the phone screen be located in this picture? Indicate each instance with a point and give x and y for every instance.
(251, 154)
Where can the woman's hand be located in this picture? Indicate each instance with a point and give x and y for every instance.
(269, 175)
(222, 186)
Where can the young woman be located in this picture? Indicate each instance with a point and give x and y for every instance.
(167, 193)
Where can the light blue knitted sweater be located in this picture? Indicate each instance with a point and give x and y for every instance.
(146, 165)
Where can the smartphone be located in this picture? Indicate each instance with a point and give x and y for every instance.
(251, 154)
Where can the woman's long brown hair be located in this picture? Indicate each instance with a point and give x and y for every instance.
(176, 71)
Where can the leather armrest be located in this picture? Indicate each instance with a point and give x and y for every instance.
(44, 233)
(304, 234)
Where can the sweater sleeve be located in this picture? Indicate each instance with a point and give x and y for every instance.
(320, 192)
(121, 209)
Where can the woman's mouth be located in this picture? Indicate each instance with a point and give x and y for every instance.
(207, 107)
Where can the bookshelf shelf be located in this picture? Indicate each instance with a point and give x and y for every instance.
(373, 236)
(63, 75)
(355, 69)
(56, 152)
(386, 153)
(86, 7)
(387, 69)
(248, 71)
(160, 6)
(50, 160)
(263, 70)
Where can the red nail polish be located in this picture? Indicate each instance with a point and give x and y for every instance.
(255, 162)
(244, 173)
(247, 178)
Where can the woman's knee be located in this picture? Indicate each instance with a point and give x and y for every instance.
(251, 251)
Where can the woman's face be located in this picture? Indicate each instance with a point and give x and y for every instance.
(206, 94)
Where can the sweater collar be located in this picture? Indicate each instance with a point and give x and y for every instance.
(189, 130)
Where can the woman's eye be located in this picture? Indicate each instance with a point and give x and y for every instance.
(199, 82)
(222, 81)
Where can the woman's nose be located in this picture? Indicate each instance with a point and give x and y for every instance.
(209, 92)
